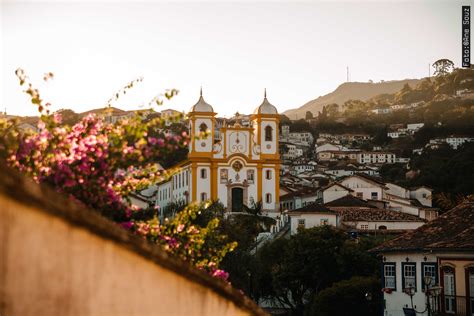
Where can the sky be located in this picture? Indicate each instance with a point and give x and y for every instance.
(234, 50)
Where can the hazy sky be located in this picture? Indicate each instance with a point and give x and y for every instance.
(298, 51)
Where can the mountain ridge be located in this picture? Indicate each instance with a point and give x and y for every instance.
(347, 91)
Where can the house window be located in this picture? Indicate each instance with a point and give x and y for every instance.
(429, 269)
(203, 173)
(268, 133)
(224, 173)
(374, 195)
(203, 197)
(268, 174)
(324, 221)
(268, 198)
(364, 226)
(389, 276)
(409, 275)
(301, 224)
(250, 176)
(360, 195)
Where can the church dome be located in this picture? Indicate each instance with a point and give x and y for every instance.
(201, 106)
(266, 107)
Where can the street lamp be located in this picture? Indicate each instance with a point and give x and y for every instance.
(430, 291)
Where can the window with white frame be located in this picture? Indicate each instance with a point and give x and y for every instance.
(409, 275)
(203, 196)
(429, 270)
(301, 223)
(203, 173)
(324, 221)
(389, 275)
(364, 226)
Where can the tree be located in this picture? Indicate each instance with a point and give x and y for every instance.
(297, 268)
(309, 115)
(443, 67)
(359, 295)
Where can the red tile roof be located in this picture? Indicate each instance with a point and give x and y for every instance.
(454, 230)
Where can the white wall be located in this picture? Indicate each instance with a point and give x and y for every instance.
(334, 193)
(208, 142)
(364, 187)
(425, 200)
(311, 220)
(203, 185)
(391, 225)
(396, 300)
(268, 186)
(269, 147)
(397, 190)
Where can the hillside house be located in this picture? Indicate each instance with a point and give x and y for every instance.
(311, 215)
(434, 264)
(376, 157)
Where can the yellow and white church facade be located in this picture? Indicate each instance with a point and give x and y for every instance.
(238, 168)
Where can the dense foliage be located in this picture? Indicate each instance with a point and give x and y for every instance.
(359, 295)
(100, 165)
(289, 271)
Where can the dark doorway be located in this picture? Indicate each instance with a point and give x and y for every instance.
(237, 199)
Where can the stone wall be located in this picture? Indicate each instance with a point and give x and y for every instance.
(57, 258)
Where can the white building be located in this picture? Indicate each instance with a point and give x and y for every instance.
(414, 127)
(382, 111)
(305, 138)
(312, 215)
(453, 141)
(329, 147)
(434, 263)
(243, 166)
(457, 141)
(334, 191)
(376, 157)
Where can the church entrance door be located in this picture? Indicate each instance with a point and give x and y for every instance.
(237, 199)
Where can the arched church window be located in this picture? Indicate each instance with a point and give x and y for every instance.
(268, 133)
(268, 198)
(268, 174)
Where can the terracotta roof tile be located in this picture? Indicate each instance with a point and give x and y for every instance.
(348, 200)
(454, 230)
(376, 215)
(313, 208)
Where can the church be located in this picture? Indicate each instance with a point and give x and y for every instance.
(235, 164)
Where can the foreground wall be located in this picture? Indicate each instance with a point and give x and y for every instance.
(60, 259)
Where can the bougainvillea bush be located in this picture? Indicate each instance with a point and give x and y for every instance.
(100, 164)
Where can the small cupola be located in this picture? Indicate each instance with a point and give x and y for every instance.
(201, 105)
(266, 107)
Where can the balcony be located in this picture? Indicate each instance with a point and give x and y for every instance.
(447, 305)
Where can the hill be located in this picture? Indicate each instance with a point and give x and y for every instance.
(350, 91)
